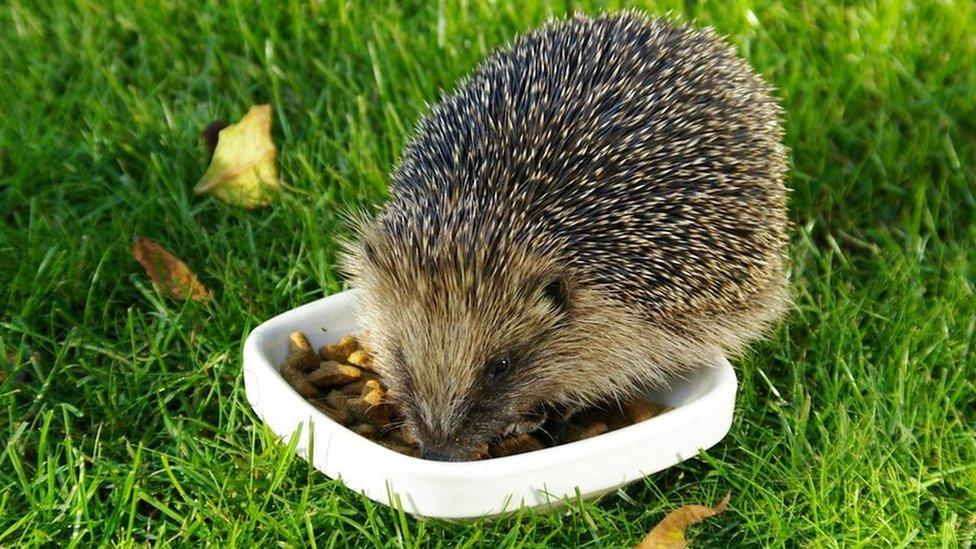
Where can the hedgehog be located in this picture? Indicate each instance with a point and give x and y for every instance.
(598, 210)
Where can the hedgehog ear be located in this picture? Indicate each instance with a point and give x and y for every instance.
(556, 290)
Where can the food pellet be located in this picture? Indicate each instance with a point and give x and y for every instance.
(331, 373)
(340, 350)
(641, 410)
(341, 415)
(356, 388)
(300, 357)
(359, 358)
(298, 381)
(338, 401)
(373, 398)
(372, 386)
(581, 432)
(298, 342)
(518, 444)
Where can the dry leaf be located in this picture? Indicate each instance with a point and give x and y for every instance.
(170, 275)
(242, 171)
(670, 532)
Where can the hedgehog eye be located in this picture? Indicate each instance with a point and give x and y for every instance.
(499, 365)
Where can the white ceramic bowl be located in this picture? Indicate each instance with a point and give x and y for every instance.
(702, 416)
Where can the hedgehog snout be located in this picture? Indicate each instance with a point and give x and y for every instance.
(443, 453)
(456, 448)
(468, 441)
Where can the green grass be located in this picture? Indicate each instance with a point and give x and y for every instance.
(123, 415)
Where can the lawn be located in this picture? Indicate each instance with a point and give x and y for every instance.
(122, 413)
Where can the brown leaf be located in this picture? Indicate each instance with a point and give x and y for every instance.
(169, 275)
(242, 170)
(670, 532)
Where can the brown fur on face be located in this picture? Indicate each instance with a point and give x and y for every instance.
(436, 333)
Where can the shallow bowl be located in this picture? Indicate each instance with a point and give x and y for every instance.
(701, 416)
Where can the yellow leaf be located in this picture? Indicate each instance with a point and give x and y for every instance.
(170, 275)
(242, 171)
(670, 532)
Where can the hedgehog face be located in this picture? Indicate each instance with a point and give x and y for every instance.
(464, 373)
(467, 359)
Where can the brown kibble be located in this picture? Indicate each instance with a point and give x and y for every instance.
(380, 415)
(298, 381)
(372, 385)
(297, 341)
(589, 415)
(331, 373)
(580, 432)
(353, 389)
(376, 414)
(357, 407)
(641, 410)
(377, 409)
(339, 415)
(302, 361)
(357, 388)
(374, 397)
(482, 452)
(300, 354)
(336, 400)
(360, 358)
(518, 444)
(340, 350)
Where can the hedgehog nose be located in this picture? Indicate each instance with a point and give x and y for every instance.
(437, 455)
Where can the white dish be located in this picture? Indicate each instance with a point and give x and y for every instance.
(701, 418)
